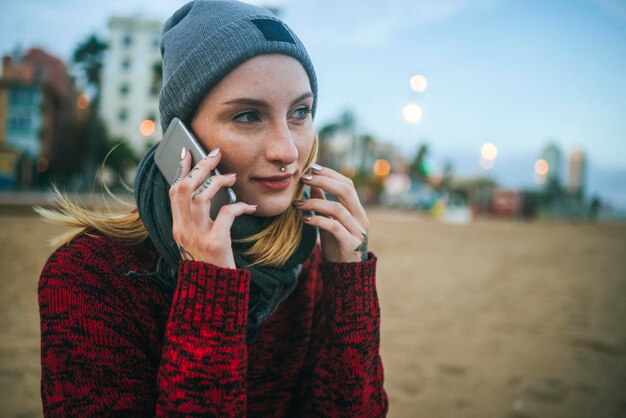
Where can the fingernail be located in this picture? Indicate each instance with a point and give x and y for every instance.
(316, 167)
(214, 152)
(230, 175)
(298, 202)
(307, 177)
(182, 153)
(307, 218)
(253, 206)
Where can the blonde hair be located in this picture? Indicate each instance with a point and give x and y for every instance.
(278, 240)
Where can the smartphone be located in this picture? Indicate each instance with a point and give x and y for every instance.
(167, 158)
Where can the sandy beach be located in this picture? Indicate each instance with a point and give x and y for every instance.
(490, 319)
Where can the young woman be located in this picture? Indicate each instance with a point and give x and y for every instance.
(165, 311)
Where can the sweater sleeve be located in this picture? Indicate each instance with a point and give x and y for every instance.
(344, 372)
(204, 364)
(95, 355)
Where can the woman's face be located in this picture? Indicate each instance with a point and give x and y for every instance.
(259, 115)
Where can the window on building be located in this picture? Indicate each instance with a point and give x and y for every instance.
(19, 123)
(156, 43)
(124, 89)
(21, 96)
(157, 78)
(122, 116)
(126, 63)
(127, 40)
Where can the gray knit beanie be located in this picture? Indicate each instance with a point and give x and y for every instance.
(205, 39)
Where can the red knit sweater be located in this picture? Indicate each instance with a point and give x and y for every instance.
(112, 345)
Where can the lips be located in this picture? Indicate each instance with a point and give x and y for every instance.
(274, 178)
(274, 183)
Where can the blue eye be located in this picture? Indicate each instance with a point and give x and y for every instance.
(303, 112)
(247, 117)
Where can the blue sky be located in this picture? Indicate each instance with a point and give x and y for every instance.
(519, 74)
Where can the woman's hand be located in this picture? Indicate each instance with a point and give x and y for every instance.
(199, 237)
(344, 224)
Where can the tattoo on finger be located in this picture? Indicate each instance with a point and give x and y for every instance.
(363, 248)
(192, 171)
(202, 187)
(179, 173)
(184, 254)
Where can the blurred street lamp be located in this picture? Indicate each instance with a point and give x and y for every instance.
(418, 83)
(541, 167)
(541, 171)
(381, 168)
(147, 127)
(412, 113)
(488, 151)
(82, 101)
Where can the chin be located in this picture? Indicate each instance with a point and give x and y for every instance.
(269, 204)
(272, 207)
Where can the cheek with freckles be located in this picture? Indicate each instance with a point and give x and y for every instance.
(238, 158)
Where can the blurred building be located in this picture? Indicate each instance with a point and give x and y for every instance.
(555, 201)
(507, 203)
(554, 157)
(577, 169)
(131, 81)
(37, 104)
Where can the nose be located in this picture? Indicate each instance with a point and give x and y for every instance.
(281, 148)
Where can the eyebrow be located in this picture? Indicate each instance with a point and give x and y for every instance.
(262, 103)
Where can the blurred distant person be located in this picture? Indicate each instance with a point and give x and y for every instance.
(165, 311)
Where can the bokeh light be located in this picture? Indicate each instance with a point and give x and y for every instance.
(428, 167)
(541, 167)
(82, 101)
(147, 127)
(412, 113)
(488, 151)
(418, 83)
(382, 168)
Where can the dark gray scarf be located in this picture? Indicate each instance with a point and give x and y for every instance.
(269, 286)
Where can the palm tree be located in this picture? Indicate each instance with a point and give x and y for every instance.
(88, 58)
(418, 168)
